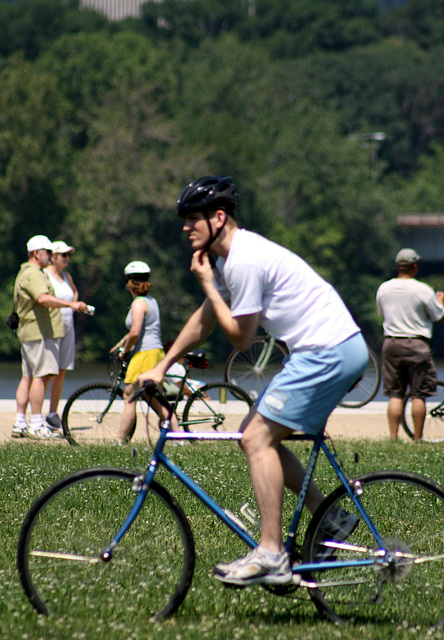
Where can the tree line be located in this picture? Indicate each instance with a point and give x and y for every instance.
(103, 123)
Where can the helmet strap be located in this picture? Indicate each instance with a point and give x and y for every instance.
(213, 236)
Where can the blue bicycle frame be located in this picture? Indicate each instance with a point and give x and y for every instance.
(319, 443)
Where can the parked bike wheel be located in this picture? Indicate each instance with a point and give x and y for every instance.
(254, 368)
(218, 405)
(71, 523)
(89, 417)
(404, 589)
(367, 387)
(434, 420)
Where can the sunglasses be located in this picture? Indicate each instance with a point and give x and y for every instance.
(64, 255)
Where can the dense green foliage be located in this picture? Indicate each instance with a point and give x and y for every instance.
(102, 124)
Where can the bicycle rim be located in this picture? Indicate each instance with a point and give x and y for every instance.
(243, 369)
(408, 511)
(68, 527)
(88, 416)
(434, 420)
(366, 389)
(217, 406)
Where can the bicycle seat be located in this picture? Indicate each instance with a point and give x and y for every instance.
(197, 359)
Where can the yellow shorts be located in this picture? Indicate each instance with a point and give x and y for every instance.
(142, 361)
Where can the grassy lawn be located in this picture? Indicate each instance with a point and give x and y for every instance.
(209, 610)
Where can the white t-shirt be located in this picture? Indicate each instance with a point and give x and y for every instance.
(294, 303)
(409, 308)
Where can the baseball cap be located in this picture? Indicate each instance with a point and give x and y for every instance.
(407, 256)
(61, 247)
(136, 267)
(39, 242)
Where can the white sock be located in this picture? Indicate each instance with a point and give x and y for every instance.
(36, 420)
(271, 555)
(52, 414)
(21, 420)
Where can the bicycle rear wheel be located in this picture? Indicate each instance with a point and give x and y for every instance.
(367, 387)
(254, 368)
(220, 406)
(72, 522)
(404, 589)
(89, 417)
(434, 420)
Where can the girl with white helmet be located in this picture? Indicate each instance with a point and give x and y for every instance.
(142, 341)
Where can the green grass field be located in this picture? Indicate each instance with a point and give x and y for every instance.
(209, 610)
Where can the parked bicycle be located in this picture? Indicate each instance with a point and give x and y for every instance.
(106, 536)
(92, 413)
(254, 368)
(434, 420)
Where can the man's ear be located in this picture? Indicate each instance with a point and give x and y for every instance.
(221, 216)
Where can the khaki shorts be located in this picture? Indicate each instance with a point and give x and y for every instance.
(142, 361)
(40, 358)
(407, 362)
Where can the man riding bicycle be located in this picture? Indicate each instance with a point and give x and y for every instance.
(257, 282)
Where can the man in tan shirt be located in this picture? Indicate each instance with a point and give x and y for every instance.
(39, 331)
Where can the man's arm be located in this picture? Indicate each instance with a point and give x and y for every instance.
(240, 330)
(47, 300)
(440, 299)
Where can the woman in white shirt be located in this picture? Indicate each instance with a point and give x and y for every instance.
(65, 289)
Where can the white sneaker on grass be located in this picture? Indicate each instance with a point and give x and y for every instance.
(255, 568)
(19, 431)
(42, 433)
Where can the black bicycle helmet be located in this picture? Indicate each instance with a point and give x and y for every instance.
(207, 193)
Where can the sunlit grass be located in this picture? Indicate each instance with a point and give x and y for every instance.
(209, 610)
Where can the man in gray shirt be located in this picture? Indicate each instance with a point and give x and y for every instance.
(409, 308)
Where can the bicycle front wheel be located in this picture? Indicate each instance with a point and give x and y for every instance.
(367, 387)
(72, 522)
(403, 587)
(434, 420)
(220, 406)
(254, 368)
(91, 414)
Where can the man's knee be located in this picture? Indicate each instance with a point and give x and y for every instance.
(260, 433)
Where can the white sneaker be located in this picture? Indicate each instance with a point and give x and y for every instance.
(42, 433)
(19, 431)
(255, 568)
(53, 422)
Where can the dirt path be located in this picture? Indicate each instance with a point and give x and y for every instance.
(370, 422)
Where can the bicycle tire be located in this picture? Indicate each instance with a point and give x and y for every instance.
(228, 406)
(241, 367)
(72, 522)
(408, 511)
(368, 386)
(434, 420)
(82, 422)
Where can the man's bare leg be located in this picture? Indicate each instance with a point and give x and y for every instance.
(394, 415)
(418, 416)
(22, 394)
(37, 391)
(272, 466)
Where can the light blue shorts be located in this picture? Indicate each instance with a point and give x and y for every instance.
(311, 384)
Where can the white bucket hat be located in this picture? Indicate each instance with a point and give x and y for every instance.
(61, 247)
